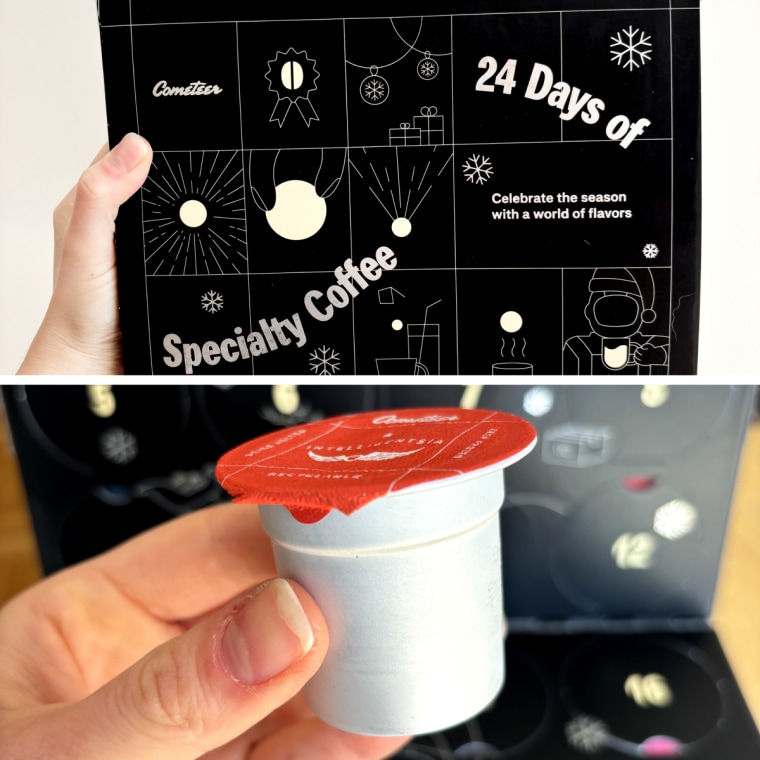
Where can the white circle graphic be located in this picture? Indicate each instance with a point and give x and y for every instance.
(655, 396)
(397, 325)
(298, 211)
(401, 227)
(193, 214)
(511, 321)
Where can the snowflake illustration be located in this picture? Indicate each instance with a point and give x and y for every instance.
(631, 52)
(675, 519)
(428, 69)
(188, 483)
(478, 169)
(212, 302)
(650, 251)
(118, 446)
(586, 734)
(374, 90)
(324, 361)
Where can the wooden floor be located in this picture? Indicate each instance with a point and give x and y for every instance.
(736, 611)
(736, 614)
(19, 563)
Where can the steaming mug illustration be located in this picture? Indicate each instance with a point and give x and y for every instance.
(512, 368)
(400, 366)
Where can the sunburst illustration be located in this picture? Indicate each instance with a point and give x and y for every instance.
(400, 180)
(194, 214)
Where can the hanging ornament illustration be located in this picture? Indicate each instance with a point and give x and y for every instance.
(292, 76)
(428, 68)
(374, 88)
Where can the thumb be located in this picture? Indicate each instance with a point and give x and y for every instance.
(201, 690)
(80, 331)
(101, 190)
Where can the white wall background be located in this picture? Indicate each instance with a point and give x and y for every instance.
(53, 121)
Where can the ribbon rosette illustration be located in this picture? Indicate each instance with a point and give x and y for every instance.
(293, 77)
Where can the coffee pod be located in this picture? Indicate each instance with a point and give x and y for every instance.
(390, 521)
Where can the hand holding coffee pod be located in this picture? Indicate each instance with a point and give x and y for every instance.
(390, 521)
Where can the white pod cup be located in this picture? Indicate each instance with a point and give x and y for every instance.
(410, 586)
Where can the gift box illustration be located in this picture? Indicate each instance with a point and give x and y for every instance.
(405, 135)
(430, 124)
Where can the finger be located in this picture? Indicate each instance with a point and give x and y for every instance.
(102, 189)
(164, 581)
(62, 218)
(197, 692)
(324, 743)
(88, 630)
(191, 565)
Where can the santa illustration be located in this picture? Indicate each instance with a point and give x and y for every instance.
(618, 311)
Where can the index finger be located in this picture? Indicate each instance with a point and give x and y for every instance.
(191, 565)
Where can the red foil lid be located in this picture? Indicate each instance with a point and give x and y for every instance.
(346, 462)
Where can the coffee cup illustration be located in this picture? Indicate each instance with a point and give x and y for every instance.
(616, 352)
(512, 368)
(400, 366)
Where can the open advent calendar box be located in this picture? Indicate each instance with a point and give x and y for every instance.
(474, 187)
(612, 530)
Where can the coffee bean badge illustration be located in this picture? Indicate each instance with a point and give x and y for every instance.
(292, 76)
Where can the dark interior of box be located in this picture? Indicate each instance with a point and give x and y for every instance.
(612, 530)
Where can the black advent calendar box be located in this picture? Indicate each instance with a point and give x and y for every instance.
(612, 531)
(481, 188)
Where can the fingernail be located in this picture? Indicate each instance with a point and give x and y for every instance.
(267, 635)
(127, 154)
